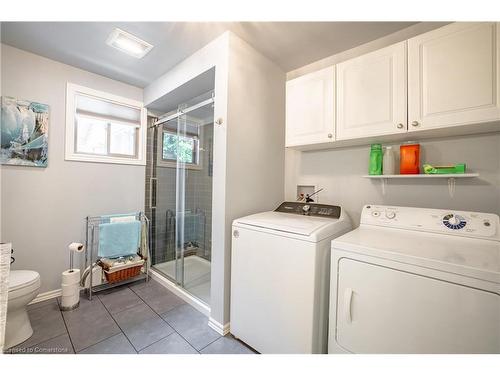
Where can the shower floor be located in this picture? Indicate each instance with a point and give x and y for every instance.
(196, 275)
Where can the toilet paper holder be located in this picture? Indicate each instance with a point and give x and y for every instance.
(74, 247)
(70, 286)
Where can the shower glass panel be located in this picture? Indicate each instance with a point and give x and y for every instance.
(181, 192)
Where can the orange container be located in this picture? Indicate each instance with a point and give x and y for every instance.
(409, 158)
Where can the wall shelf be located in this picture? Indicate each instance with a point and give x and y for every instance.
(458, 175)
(450, 177)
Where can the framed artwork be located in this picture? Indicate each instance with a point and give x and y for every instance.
(24, 132)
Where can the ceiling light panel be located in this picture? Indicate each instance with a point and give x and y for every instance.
(128, 43)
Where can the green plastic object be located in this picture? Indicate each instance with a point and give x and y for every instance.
(376, 155)
(444, 169)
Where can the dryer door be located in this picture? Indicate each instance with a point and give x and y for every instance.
(382, 310)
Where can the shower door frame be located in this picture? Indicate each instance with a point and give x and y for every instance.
(180, 200)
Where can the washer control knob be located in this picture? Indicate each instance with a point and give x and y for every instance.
(390, 214)
(306, 208)
(375, 213)
(452, 221)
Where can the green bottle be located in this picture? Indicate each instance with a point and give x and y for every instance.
(376, 156)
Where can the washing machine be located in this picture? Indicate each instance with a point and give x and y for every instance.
(415, 280)
(280, 268)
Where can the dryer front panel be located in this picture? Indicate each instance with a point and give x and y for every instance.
(383, 310)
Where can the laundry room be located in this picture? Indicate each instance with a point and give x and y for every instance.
(272, 188)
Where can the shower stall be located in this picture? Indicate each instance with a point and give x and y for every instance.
(179, 194)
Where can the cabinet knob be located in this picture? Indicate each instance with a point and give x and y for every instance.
(330, 135)
(400, 126)
(414, 123)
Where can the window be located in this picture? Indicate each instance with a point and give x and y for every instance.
(105, 128)
(183, 148)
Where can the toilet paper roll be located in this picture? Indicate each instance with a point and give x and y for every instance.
(76, 247)
(69, 301)
(70, 289)
(70, 277)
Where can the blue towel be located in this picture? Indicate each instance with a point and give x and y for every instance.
(107, 218)
(119, 239)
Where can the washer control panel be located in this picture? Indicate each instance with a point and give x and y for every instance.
(310, 209)
(467, 224)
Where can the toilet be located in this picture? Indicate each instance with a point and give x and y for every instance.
(23, 288)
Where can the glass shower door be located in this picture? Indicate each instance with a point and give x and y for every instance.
(183, 204)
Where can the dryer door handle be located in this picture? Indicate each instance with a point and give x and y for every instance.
(347, 304)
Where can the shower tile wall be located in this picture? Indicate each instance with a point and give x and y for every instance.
(198, 195)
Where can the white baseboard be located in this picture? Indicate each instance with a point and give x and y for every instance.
(222, 330)
(58, 292)
(197, 304)
(46, 295)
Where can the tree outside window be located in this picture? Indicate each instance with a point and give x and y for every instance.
(180, 148)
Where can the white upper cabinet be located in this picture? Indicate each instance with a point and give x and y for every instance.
(371, 94)
(310, 108)
(446, 81)
(454, 76)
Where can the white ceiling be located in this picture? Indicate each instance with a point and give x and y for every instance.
(83, 44)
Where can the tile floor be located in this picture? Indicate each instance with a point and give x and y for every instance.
(143, 318)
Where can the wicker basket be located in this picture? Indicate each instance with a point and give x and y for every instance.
(123, 274)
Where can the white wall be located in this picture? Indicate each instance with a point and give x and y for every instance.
(339, 171)
(43, 209)
(256, 140)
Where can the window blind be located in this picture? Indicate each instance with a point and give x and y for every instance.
(101, 108)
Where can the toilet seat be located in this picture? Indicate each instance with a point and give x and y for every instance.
(22, 282)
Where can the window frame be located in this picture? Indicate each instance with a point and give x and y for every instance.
(71, 153)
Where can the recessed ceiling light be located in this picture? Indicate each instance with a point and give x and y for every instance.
(128, 43)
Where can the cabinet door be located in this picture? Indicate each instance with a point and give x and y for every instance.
(310, 108)
(371, 94)
(382, 310)
(453, 76)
